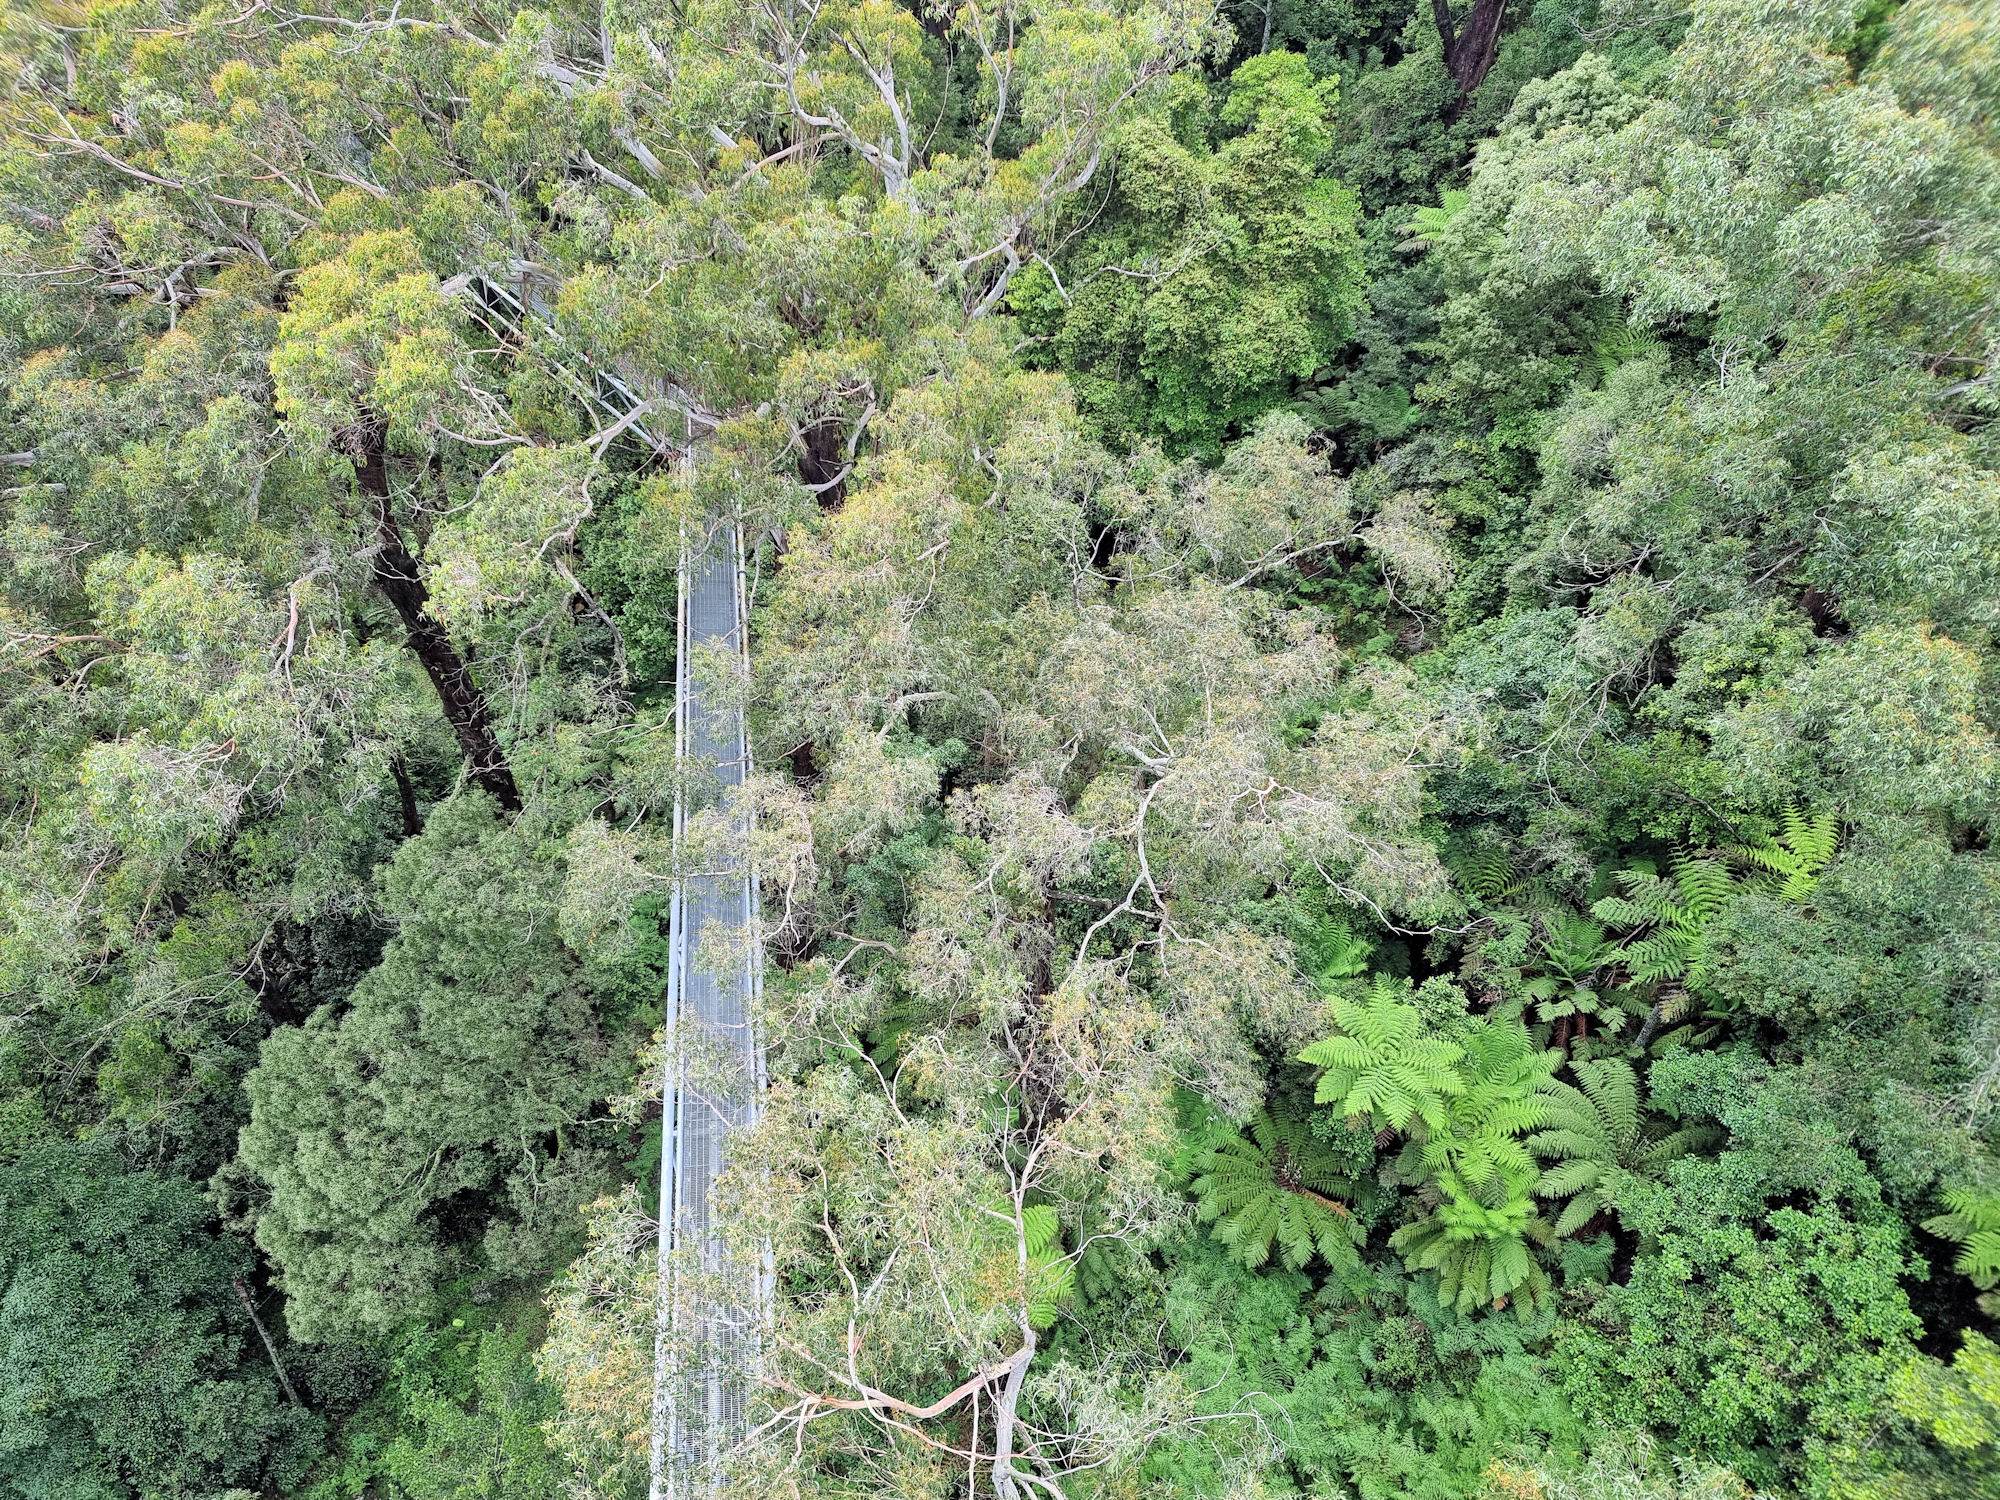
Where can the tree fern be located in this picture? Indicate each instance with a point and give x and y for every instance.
(1478, 1247)
(1476, 1241)
(1343, 952)
(1383, 410)
(1328, 946)
(1594, 1130)
(1488, 873)
(1803, 848)
(1621, 345)
(1974, 1222)
(1667, 918)
(1051, 1275)
(1572, 951)
(1504, 1077)
(1383, 1066)
(1275, 1186)
(1427, 223)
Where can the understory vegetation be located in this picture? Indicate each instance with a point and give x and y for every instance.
(1375, 703)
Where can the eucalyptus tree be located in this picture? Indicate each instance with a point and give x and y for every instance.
(346, 352)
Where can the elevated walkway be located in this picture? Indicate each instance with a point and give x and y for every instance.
(715, 1072)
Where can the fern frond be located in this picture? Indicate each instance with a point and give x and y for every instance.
(1427, 223)
(1977, 1211)
(1703, 886)
(1803, 848)
(1052, 1282)
(1574, 943)
(1039, 1228)
(1579, 1211)
(1596, 1129)
(1620, 346)
(1571, 1146)
(1570, 1178)
(1664, 955)
(1570, 1110)
(1489, 874)
(1273, 1188)
(1672, 1147)
(1346, 951)
(1974, 1221)
(1051, 1278)
(1384, 1066)
(1813, 839)
(1508, 1268)
(1613, 1090)
(1621, 911)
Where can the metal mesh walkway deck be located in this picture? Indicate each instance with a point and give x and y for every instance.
(716, 1082)
(715, 1075)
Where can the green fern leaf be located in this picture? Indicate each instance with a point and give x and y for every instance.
(1579, 1211)
(1974, 1222)
(1569, 1178)
(1274, 1186)
(1051, 1277)
(1039, 1228)
(1426, 224)
(1383, 1066)
(1621, 911)
(1805, 845)
(1613, 1090)
(1704, 888)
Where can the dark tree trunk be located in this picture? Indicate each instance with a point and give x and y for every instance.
(821, 462)
(1824, 612)
(804, 772)
(407, 795)
(397, 577)
(1469, 52)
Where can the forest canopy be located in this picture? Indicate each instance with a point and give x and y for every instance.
(1374, 711)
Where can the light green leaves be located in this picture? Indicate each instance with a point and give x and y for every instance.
(1276, 91)
(1592, 1131)
(1503, 1077)
(513, 542)
(1959, 1402)
(371, 334)
(1051, 1272)
(1427, 223)
(1802, 849)
(1667, 918)
(1478, 1250)
(1382, 1067)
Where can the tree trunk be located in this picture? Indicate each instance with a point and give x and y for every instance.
(397, 577)
(1005, 1476)
(1468, 53)
(406, 794)
(243, 1296)
(804, 771)
(822, 461)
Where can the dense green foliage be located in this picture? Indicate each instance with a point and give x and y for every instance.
(127, 1357)
(1375, 694)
